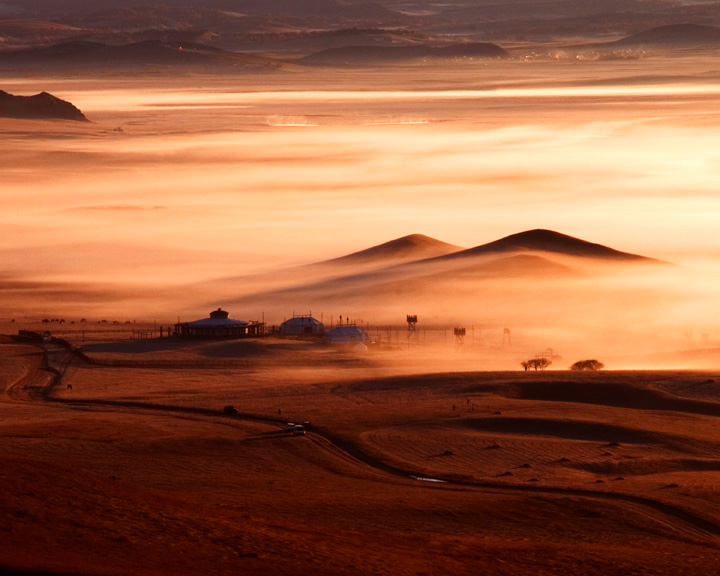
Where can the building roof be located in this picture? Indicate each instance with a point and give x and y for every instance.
(349, 330)
(218, 318)
(302, 320)
(347, 333)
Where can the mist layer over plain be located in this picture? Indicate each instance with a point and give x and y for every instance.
(178, 199)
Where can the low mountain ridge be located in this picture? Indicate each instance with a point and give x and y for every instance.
(86, 54)
(678, 35)
(40, 106)
(379, 54)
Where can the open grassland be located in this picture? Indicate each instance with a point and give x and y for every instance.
(136, 470)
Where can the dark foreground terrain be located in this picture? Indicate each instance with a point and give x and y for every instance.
(135, 470)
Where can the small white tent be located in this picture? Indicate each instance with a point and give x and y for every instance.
(302, 326)
(346, 335)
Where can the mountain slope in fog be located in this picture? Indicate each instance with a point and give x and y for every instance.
(540, 240)
(95, 54)
(40, 106)
(407, 248)
(510, 272)
(677, 35)
(379, 54)
(345, 269)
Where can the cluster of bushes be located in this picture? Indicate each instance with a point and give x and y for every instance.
(580, 366)
(591, 365)
(536, 364)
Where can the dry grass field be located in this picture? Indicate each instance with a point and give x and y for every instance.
(134, 469)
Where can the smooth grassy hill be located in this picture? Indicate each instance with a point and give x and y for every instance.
(408, 248)
(540, 240)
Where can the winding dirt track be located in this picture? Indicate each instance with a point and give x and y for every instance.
(34, 382)
(37, 383)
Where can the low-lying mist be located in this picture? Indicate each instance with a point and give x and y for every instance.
(176, 200)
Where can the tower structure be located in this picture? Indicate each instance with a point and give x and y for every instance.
(507, 340)
(412, 325)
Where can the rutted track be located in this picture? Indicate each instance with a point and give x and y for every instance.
(34, 383)
(37, 384)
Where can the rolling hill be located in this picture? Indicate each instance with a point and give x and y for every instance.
(540, 240)
(383, 54)
(408, 248)
(675, 35)
(511, 273)
(94, 55)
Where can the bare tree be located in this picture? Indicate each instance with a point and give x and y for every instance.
(536, 364)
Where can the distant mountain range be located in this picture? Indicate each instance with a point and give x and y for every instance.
(40, 106)
(137, 55)
(289, 30)
(177, 54)
(216, 41)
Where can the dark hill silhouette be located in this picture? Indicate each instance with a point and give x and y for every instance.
(363, 11)
(370, 12)
(41, 105)
(675, 35)
(310, 42)
(153, 52)
(407, 248)
(380, 54)
(291, 7)
(548, 241)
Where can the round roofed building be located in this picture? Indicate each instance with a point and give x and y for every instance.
(346, 335)
(304, 325)
(219, 325)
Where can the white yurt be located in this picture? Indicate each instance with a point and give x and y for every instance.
(349, 334)
(302, 326)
